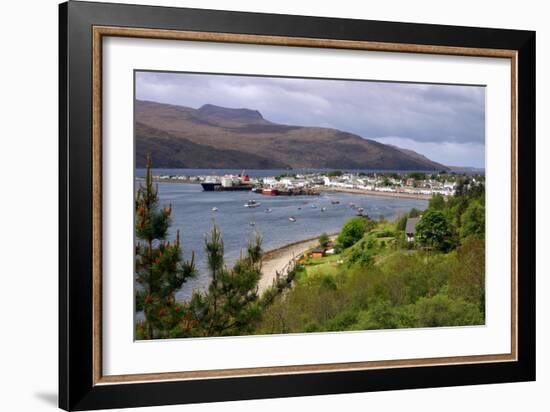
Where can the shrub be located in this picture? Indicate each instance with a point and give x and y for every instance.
(385, 233)
(353, 230)
(467, 279)
(342, 321)
(473, 220)
(434, 231)
(324, 240)
(382, 315)
(312, 327)
(440, 310)
(437, 202)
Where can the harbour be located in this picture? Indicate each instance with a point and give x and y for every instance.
(280, 220)
(413, 185)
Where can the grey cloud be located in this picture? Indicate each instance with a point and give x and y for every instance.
(437, 114)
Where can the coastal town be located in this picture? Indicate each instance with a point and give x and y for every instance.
(331, 271)
(359, 208)
(414, 184)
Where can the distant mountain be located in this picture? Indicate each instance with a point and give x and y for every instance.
(416, 155)
(168, 151)
(466, 169)
(225, 138)
(230, 117)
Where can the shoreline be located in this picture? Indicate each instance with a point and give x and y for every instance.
(278, 259)
(402, 195)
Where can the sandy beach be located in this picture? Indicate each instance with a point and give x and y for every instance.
(278, 260)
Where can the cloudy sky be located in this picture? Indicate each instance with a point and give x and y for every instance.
(443, 122)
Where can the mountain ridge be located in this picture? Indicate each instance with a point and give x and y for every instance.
(220, 137)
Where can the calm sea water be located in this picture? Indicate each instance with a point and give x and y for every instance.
(192, 214)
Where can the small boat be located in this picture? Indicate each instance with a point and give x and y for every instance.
(292, 219)
(268, 210)
(252, 223)
(214, 209)
(252, 203)
(360, 209)
(352, 205)
(299, 208)
(323, 209)
(335, 202)
(314, 206)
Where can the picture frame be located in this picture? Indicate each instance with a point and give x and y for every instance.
(83, 27)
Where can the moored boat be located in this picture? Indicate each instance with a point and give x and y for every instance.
(252, 203)
(269, 191)
(210, 186)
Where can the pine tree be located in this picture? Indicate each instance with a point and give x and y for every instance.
(160, 269)
(230, 305)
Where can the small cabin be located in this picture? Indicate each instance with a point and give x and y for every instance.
(410, 228)
(318, 252)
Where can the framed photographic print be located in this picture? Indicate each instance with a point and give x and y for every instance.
(259, 205)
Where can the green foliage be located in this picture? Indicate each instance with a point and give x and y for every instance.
(328, 283)
(467, 279)
(434, 231)
(406, 290)
(335, 173)
(362, 252)
(440, 310)
(231, 306)
(437, 202)
(384, 233)
(401, 222)
(382, 315)
(353, 230)
(439, 283)
(342, 321)
(324, 240)
(473, 220)
(160, 270)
